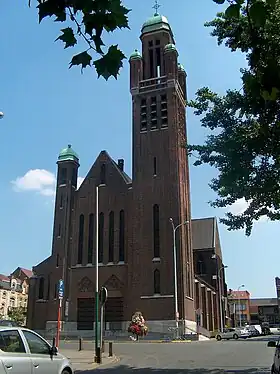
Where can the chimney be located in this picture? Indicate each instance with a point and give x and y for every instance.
(121, 164)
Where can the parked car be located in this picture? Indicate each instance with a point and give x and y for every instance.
(233, 333)
(275, 368)
(8, 323)
(26, 352)
(252, 331)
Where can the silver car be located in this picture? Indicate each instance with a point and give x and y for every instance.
(23, 351)
(232, 333)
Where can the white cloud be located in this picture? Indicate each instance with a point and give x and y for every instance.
(80, 181)
(240, 206)
(38, 180)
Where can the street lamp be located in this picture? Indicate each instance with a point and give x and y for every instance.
(174, 228)
(239, 303)
(97, 348)
(1, 114)
(220, 301)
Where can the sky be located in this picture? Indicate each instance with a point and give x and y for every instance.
(48, 106)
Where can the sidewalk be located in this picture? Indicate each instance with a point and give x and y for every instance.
(84, 360)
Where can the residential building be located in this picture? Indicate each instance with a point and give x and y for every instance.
(239, 307)
(14, 290)
(131, 217)
(264, 310)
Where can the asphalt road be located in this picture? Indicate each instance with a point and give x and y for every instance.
(243, 357)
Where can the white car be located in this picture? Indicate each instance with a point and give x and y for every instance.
(232, 333)
(23, 351)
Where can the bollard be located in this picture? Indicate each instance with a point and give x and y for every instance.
(110, 349)
(80, 344)
(98, 358)
(103, 346)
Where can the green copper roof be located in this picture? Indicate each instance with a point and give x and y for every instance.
(156, 22)
(170, 47)
(68, 154)
(135, 55)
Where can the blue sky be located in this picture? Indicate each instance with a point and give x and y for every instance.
(47, 106)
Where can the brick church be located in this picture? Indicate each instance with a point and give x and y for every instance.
(135, 235)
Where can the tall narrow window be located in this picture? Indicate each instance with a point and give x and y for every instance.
(121, 236)
(90, 238)
(163, 111)
(41, 288)
(156, 231)
(111, 237)
(100, 237)
(48, 288)
(156, 281)
(155, 166)
(59, 231)
(55, 291)
(158, 61)
(74, 177)
(61, 202)
(63, 176)
(81, 238)
(57, 260)
(154, 112)
(143, 115)
(151, 59)
(103, 174)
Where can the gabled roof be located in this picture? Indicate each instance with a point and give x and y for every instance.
(205, 235)
(4, 278)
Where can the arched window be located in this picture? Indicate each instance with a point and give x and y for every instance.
(156, 281)
(41, 288)
(156, 231)
(90, 238)
(121, 236)
(81, 238)
(103, 174)
(100, 237)
(111, 237)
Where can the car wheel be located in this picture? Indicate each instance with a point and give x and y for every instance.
(273, 369)
(66, 371)
(235, 336)
(219, 338)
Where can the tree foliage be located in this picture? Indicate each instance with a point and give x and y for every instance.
(18, 315)
(86, 20)
(244, 143)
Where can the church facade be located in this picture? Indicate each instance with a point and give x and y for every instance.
(134, 230)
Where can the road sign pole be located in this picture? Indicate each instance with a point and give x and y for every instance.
(103, 297)
(60, 296)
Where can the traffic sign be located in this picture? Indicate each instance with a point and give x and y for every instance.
(103, 294)
(60, 289)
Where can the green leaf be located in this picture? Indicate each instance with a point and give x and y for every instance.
(110, 64)
(83, 59)
(219, 1)
(233, 11)
(271, 2)
(67, 37)
(270, 96)
(257, 13)
(50, 8)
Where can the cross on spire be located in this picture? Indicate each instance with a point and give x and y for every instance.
(156, 7)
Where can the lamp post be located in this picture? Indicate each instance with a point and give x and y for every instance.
(220, 299)
(97, 347)
(174, 228)
(239, 303)
(1, 115)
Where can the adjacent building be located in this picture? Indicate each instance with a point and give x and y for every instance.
(14, 290)
(132, 217)
(264, 310)
(239, 307)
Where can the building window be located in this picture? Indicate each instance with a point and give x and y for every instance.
(61, 202)
(121, 236)
(59, 231)
(57, 260)
(154, 113)
(41, 288)
(143, 115)
(163, 111)
(48, 288)
(156, 281)
(150, 43)
(100, 237)
(155, 166)
(156, 231)
(90, 238)
(55, 291)
(103, 174)
(74, 177)
(63, 176)
(151, 61)
(200, 266)
(158, 62)
(111, 237)
(81, 239)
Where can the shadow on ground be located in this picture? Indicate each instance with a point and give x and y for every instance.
(123, 369)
